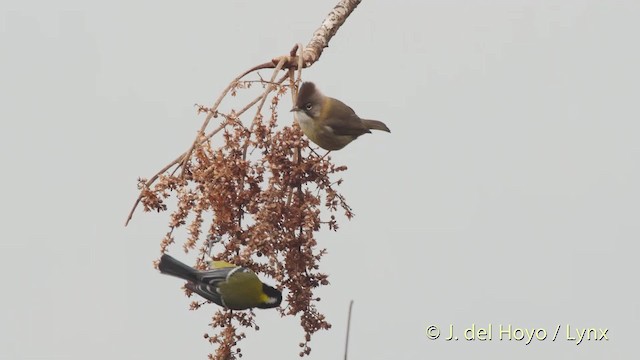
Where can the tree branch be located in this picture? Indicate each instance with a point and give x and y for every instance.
(224, 182)
(310, 54)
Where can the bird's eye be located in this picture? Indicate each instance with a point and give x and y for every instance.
(308, 106)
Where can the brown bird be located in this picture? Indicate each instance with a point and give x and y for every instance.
(329, 122)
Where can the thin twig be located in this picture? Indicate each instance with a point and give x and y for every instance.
(255, 101)
(180, 159)
(294, 95)
(214, 108)
(270, 87)
(346, 343)
(155, 177)
(224, 93)
(211, 114)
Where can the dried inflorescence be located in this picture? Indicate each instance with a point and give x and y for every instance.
(257, 201)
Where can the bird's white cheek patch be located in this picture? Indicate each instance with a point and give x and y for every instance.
(303, 119)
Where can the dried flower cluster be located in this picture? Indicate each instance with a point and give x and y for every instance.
(256, 201)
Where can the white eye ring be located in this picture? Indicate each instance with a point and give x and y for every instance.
(308, 106)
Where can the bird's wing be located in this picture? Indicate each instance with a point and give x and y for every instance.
(353, 127)
(209, 281)
(343, 120)
(217, 275)
(206, 291)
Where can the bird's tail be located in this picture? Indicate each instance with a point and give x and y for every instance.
(376, 125)
(170, 266)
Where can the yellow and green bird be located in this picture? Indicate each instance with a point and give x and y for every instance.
(230, 286)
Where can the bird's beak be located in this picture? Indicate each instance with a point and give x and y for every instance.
(295, 108)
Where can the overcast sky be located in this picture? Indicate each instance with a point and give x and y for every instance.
(506, 194)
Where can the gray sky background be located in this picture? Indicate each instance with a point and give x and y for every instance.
(507, 192)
